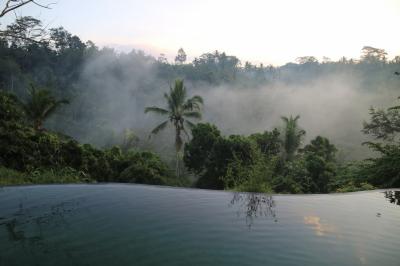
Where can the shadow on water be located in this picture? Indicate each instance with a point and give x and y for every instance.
(393, 196)
(254, 205)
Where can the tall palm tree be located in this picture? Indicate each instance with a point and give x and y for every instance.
(179, 109)
(292, 136)
(40, 105)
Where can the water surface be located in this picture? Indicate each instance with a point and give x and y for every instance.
(147, 225)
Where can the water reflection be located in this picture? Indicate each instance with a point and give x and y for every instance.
(318, 226)
(26, 227)
(393, 196)
(253, 205)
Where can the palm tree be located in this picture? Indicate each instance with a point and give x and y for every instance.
(178, 110)
(40, 105)
(292, 136)
(395, 107)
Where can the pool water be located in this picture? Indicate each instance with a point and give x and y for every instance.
(116, 224)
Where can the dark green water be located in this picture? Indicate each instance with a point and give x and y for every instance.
(146, 225)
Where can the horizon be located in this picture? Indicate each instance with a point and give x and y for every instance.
(329, 29)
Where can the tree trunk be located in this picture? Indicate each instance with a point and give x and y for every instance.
(178, 146)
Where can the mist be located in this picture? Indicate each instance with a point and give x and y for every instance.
(333, 106)
(117, 88)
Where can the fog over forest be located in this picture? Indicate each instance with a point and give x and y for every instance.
(109, 90)
(332, 98)
(74, 112)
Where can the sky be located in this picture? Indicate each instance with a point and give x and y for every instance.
(260, 31)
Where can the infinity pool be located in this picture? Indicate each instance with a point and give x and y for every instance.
(117, 224)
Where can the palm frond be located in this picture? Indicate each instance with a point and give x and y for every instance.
(52, 107)
(178, 93)
(394, 108)
(193, 114)
(159, 128)
(285, 119)
(190, 124)
(157, 110)
(170, 102)
(194, 103)
(41, 104)
(301, 133)
(63, 101)
(198, 99)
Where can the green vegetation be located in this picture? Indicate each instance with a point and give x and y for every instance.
(384, 126)
(292, 137)
(178, 111)
(260, 162)
(40, 105)
(41, 133)
(48, 157)
(267, 162)
(61, 176)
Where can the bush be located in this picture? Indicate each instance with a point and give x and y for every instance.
(224, 152)
(352, 187)
(292, 177)
(351, 177)
(41, 176)
(146, 169)
(254, 177)
(50, 157)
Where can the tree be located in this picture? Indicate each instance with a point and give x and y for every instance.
(19, 28)
(178, 110)
(25, 30)
(216, 67)
(12, 5)
(383, 171)
(321, 147)
(292, 136)
(306, 60)
(180, 57)
(225, 151)
(40, 105)
(129, 140)
(162, 59)
(320, 163)
(396, 60)
(371, 54)
(197, 152)
(60, 38)
(268, 142)
(384, 125)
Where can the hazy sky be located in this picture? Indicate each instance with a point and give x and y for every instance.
(265, 31)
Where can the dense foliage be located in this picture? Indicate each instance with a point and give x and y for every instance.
(275, 161)
(42, 72)
(384, 125)
(27, 150)
(259, 162)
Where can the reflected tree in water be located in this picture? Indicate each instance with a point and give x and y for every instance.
(254, 205)
(393, 196)
(27, 226)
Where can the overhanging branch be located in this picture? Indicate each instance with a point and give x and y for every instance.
(12, 5)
